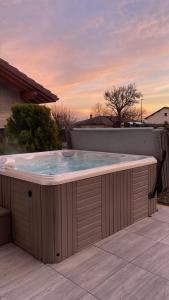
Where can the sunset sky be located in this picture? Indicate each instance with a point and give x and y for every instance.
(80, 48)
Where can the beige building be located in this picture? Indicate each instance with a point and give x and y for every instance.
(16, 87)
(158, 117)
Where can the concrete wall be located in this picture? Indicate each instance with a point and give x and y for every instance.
(8, 96)
(143, 141)
(159, 117)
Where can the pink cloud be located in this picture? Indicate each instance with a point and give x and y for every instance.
(104, 50)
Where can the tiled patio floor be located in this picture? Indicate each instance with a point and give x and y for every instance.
(133, 264)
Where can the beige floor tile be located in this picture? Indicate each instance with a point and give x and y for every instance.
(88, 297)
(154, 229)
(15, 264)
(90, 267)
(162, 215)
(138, 225)
(43, 284)
(127, 245)
(155, 260)
(132, 283)
(165, 240)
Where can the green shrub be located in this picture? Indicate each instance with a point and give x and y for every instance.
(31, 128)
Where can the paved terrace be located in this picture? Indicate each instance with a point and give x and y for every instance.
(132, 264)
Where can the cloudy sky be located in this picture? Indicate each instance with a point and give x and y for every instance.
(80, 48)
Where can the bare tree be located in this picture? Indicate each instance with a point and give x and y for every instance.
(139, 115)
(133, 114)
(121, 101)
(100, 110)
(63, 116)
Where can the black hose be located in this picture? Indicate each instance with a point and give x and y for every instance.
(152, 194)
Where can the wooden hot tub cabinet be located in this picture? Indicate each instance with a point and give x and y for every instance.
(53, 222)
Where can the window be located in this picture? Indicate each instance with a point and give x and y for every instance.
(165, 114)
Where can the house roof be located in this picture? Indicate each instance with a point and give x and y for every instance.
(98, 120)
(164, 107)
(31, 90)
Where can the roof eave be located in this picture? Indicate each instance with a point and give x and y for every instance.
(25, 83)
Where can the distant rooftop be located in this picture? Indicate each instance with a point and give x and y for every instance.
(97, 121)
(30, 89)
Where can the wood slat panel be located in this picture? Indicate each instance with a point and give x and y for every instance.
(105, 230)
(64, 219)
(116, 201)
(1, 202)
(6, 191)
(88, 182)
(140, 193)
(152, 174)
(36, 220)
(130, 204)
(51, 224)
(83, 228)
(95, 236)
(57, 224)
(69, 188)
(26, 216)
(89, 214)
(21, 215)
(85, 221)
(88, 201)
(75, 217)
(66, 195)
(122, 182)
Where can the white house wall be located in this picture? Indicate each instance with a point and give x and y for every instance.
(159, 117)
(8, 96)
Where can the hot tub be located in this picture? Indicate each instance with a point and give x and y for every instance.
(63, 201)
